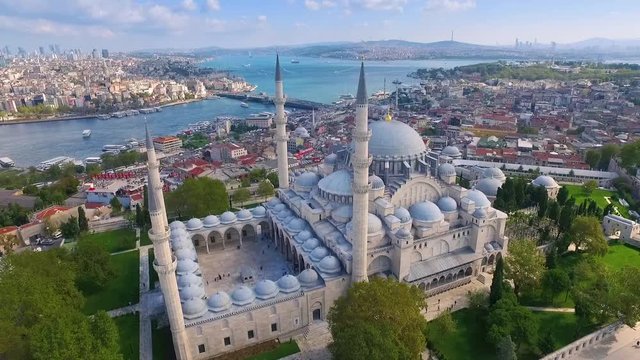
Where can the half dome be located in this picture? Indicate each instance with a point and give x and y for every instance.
(478, 197)
(337, 183)
(447, 204)
(489, 186)
(374, 224)
(426, 211)
(376, 182)
(402, 214)
(307, 179)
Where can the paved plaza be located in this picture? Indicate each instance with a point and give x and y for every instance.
(222, 268)
(621, 346)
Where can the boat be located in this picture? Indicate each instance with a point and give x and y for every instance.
(244, 104)
(246, 65)
(294, 61)
(111, 148)
(92, 160)
(104, 117)
(6, 162)
(86, 133)
(119, 114)
(59, 160)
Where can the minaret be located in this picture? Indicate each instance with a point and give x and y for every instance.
(360, 163)
(165, 262)
(281, 130)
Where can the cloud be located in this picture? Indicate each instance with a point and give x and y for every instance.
(213, 5)
(317, 5)
(52, 28)
(383, 5)
(162, 16)
(450, 5)
(262, 19)
(189, 5)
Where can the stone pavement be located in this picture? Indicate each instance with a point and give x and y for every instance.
(313, 343)
(621, 346)
(455, 299)
(146, 347)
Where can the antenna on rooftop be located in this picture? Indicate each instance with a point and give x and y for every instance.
(451, 35)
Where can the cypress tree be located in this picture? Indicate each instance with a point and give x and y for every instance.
(497, 284)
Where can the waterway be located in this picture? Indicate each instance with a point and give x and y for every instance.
(321, 80)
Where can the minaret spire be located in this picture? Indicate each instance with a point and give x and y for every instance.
(165, 263)
(360, 187)
(281, 130)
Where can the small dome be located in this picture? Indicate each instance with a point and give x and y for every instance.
(403, 233)
(447, 204)
(493, 173)
(342, 214)
(194, 308)
(176, 225)
(194, 224)
(451, 151)
(273, 202)
(319, 253)
(331, 159)
(284, 214)
(426, 211)
(266, 289)
(480, 213)
(302, 236)
(337, 183)
(244, 215)
(329, 265)
(179, 232)
(374, 224)
(185, 253)
(446, 170)
(288, 284)
(189, 279)
(308, 277)
(227, 217)
(489, 186)
(478, 197)
(308, 179)
(279, 207)
(310, 244)
(182, 243)
(242, 295)
(402, 214)
(546, 181)
(186, 266)
(191, 292)
(376, 182)
(211, 221)
(296, 225)
(259, 211)
(301, 132)
(219, 301)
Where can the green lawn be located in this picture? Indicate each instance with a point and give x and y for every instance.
(598, 195)
(620, 255)
(468, 338)
(115, 240)
(153, 275)
(144, 237)
(129, 331)
(161, 342)
(122, 289)
(284, 349)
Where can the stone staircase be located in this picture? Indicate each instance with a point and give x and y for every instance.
(394, 185)
(313, 342)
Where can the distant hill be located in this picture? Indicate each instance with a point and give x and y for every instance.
(603, 43)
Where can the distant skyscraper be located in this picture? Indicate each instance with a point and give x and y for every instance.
(41, 50)
(52, 48)
(94, 53)
(105, 53)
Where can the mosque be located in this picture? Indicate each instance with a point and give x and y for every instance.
(385, 206)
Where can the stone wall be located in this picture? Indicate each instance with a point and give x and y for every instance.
(575, 347)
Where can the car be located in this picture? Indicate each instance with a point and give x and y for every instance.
(47, 242)
(57, 234)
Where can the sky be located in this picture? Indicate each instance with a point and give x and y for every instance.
(123, 25)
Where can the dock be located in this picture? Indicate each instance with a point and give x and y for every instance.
(291, 103)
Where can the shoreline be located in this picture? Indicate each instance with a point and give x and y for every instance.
(81, 117)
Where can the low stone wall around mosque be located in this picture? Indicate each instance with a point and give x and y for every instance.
(586, 342)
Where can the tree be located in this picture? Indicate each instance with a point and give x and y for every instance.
(592, 157)
(554, 211)
(198, 197)
(273, 178)
(554, 282)
(139, 216)
(524, 265)
(625, 294)
(506, 349)
(93, 264)
(566, 218)
(589, 186)
(379, 319)
(563, 195)
(245, 182)
(478, 300)
(70, 229)
(241, 195)
(83, 224)
(508, 319)
(265, 189)
(444, 324)
(607, 151)
(116, 206)
(497, 284)
(630, 154)
(587, 234)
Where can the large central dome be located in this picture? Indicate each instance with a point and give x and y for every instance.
(394, 139)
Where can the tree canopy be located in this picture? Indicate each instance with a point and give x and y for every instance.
(586, 233)
(241, 195)
(524, 265)
(265, 189)
(198, 197)
(379, 319)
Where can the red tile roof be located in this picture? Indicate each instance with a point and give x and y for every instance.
(8, 229)
(52, 210)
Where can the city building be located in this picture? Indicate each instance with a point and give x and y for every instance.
(105, 53)
(262, 120)
(376, 208)
(167, 144)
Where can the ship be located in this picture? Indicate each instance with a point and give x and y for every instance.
(6, 162)
(294, 61)
(244, 104)
(104, 117)
(111, 148)
(86, 133)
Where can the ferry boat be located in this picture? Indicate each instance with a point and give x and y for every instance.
(244, 104)
(86, 133)
(59, 160)
(104, 117)
(93, 160)
(294, 61)
(119, 114)
(6, 162)
(114, 148)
